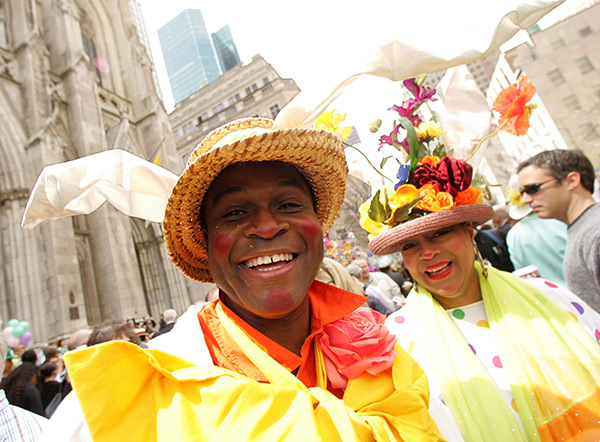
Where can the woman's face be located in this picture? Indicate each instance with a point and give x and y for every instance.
(442, 262)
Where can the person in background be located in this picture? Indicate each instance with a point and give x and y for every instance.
(501, 220)
(20, 387)
(384, 263)
(47, 385)
(535, 241)
(53, 354)
(16, 423)
(111, 330)
(8, 364)
(383, 282)
(332, 272)
(79, 339)
(170, 317)
(559, 184)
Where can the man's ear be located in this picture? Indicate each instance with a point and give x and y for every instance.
(573, 179)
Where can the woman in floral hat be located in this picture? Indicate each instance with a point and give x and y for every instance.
(510, 359)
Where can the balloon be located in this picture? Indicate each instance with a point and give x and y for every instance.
(24, 324)
(18, 331)
(7, 332)
(12, 341)
(12, 323)
(25, 338)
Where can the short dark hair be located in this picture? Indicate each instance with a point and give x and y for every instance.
(46, 369)
(560, 162)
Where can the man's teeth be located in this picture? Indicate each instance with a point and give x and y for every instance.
(262, 260)
(439, 269)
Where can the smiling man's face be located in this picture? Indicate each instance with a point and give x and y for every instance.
(265, 243)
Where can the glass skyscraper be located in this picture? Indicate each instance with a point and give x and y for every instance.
(189, 54)
(225, 47)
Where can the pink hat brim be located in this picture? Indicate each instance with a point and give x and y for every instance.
(389, 241)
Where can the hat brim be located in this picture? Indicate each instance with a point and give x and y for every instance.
(317, 154)
(519, 212)
(389, 241)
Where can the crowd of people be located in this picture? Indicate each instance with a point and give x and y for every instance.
(36, 379)
(449, 346)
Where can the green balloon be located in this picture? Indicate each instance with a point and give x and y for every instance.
(18, 331)
(24, 324)
(13, 323)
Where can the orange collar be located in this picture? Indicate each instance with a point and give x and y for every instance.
(327, 304)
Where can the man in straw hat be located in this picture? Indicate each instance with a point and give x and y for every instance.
(278, 355)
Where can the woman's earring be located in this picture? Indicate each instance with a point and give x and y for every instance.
(480, 259)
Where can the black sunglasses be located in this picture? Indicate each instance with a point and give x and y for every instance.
(532, 189)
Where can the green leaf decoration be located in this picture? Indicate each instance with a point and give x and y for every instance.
(388, 209)
(383, 161)
(376, 209)
(413, 142)
(402, 213)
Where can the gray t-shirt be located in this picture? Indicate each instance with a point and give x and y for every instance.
(582, 257)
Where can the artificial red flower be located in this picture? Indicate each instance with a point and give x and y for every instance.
(427, 173)
(356, 344)
(512, 105)
(457, 175)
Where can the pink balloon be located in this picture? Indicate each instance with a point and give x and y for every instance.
(12, 341)
(25, 338)
(7, 332)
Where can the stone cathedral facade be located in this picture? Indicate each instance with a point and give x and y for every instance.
(76, 80)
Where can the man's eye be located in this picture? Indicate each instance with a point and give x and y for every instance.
(233, 213)
(290, 205)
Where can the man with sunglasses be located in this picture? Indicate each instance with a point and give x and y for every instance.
(559, 184)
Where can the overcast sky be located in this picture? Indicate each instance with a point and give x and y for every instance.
(281, 34)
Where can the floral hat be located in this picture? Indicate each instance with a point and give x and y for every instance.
(516, 208)
(434, 190)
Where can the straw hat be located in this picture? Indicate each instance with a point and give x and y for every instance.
(317, 154)
(389, 241)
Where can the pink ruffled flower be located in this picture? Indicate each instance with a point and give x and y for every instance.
(356, 344)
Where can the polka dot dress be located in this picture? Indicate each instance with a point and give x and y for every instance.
(472, 322)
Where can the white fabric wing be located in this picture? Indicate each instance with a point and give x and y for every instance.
(419, 38)
(132, 185)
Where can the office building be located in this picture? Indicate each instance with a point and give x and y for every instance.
(189, 54)
(226, 50)
(74, 87)
(563, 62)
(252, 90)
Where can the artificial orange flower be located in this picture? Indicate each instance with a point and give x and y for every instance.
(512, 106)
(403, 195)
(434, 200)
(471, 195)
(428, 159)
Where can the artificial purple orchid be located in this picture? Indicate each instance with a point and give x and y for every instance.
(390, 139)
(408, 110)
(420, 92)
